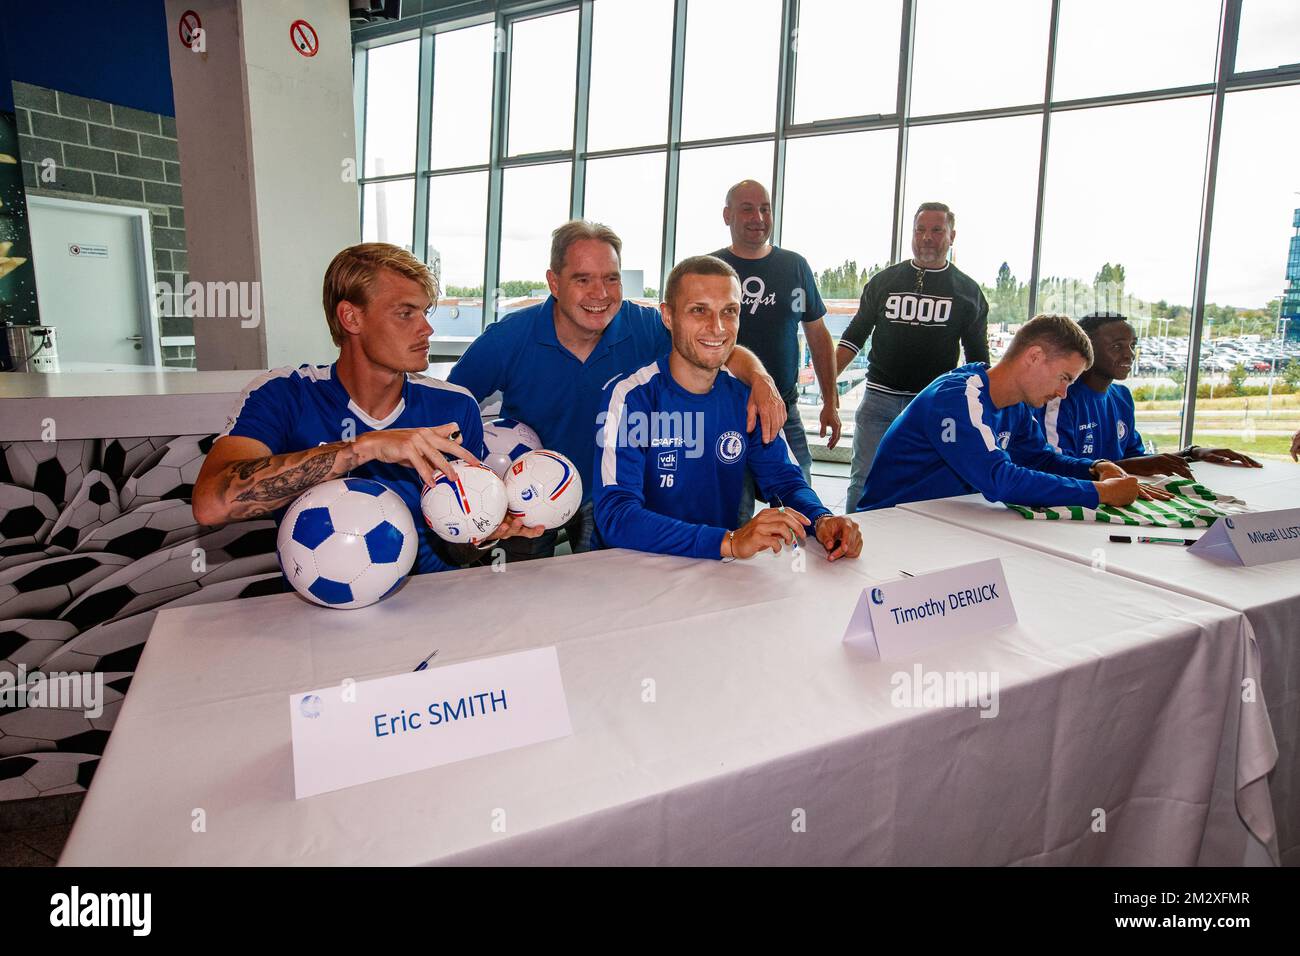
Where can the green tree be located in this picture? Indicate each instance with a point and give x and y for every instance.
(1291, 374)
(1008, 299)
(1108, 285)
(844, 281)
(1237, 379)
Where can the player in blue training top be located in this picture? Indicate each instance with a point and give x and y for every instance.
(973, 430)
(1096, 419)
(550, 361)
(674, 443)
(369, 415)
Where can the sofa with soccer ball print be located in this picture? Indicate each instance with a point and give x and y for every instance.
(96, 537)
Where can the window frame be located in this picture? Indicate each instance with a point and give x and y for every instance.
(427, 26)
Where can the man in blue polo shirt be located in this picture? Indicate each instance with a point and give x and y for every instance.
(1096, 417)
(550, 361)
(674, 443)
(369, 415)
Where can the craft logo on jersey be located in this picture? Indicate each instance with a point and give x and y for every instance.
(668, 461)
(911, 309)
(1004, 439)
(731, 445)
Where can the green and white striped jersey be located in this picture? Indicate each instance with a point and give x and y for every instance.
(1193, 506)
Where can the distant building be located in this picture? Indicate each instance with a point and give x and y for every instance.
(1291, 297)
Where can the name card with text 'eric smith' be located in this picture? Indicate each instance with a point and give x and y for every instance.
(1251, 539)
(369, 730)
(897, 620)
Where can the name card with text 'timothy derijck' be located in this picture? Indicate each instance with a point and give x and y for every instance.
(1252, 539)
(897, 620)
(369, 730)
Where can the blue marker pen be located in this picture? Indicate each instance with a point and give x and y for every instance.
(425, 663)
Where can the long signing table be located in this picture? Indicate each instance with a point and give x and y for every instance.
(717, 718)
(1268, 595)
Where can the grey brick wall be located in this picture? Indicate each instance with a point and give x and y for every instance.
(88, 149)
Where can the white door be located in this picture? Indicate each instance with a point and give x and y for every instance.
(93, 280)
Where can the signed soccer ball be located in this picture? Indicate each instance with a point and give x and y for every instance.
(506, 441)
(467, 510)
(544, 488)
(347, 543)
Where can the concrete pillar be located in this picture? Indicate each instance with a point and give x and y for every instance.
(267, 145)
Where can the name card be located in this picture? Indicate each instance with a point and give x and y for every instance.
(369, 730)
(896, 620)
(1252, 538)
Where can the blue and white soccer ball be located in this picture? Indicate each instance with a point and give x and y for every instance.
(543, 486)
(347, 543)
(467, 510)
(506, 441)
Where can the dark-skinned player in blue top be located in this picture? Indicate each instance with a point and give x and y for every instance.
(973, 429)
(674, 443)
(1096, 417)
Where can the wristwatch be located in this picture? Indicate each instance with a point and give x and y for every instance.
(1094, 468)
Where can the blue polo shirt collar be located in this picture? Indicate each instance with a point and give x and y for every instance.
(544, 330)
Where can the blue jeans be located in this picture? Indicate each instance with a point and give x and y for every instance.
(875, 414)
(797, 439)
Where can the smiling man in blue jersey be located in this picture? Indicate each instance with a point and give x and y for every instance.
(674, 443)
(973, 429)
(551, 361)
(1096, 416)
(369, 415)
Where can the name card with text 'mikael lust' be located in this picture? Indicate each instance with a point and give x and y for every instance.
(369, 730)
(1251, 539)
(897, 620)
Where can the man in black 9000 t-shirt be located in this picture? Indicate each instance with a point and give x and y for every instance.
(920, 315)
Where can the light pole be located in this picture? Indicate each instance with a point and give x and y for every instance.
(1209, 341)
(1272, 364)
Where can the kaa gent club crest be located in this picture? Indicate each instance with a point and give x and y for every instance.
(731, 446)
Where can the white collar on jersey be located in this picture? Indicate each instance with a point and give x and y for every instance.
(377, 423)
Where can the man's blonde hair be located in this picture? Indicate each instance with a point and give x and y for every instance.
(351, 276)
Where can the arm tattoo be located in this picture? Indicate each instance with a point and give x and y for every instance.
(246, 469)
(291, 481)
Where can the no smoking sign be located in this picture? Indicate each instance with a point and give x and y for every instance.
(188, 28)
(303, 37)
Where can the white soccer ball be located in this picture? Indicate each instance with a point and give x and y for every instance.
(467, 510)
(506, 441)
(347, 543)
(544, 488)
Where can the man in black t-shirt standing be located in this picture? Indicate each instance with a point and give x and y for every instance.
(778, 292)
(920, 314)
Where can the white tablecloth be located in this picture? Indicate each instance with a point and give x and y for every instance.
(761, 718)
(1269, 595)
